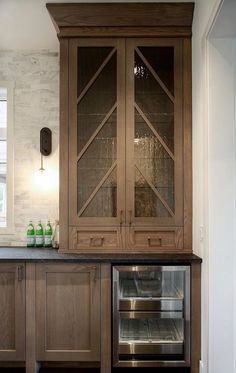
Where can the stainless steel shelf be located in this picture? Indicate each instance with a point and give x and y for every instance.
(151, 349)
(150, 295)
(149, 336)
(149, 331)
(153, 288)
(151, 304)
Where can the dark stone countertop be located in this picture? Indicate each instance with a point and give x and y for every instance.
(25, 254)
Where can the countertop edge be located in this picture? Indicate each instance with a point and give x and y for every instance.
(24, 254)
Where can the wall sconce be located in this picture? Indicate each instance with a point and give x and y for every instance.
(46, 180)
(45, 144)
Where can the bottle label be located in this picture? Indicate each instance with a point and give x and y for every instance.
(30, 241)
(39, 240)
(47, 240)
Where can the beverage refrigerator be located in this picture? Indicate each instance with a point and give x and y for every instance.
(151, 316)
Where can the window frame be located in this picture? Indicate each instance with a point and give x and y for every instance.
(9, 229)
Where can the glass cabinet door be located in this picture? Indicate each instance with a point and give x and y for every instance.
(96, 130)
(154, 135)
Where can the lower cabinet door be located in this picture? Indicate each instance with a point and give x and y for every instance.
(68, 312)
(12, 312)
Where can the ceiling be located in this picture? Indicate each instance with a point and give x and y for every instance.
(25, 24)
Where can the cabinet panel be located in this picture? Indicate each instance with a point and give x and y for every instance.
(96, 117)
(68, 312)
(95, 239)
(152, 239)
(154, 132)
(12, 312)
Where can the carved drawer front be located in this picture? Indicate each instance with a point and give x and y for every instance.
(152, 240)
(95, 240)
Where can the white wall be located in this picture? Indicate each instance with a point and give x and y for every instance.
(222, 190)
(203, 16)
(214, 184)
(204, 9)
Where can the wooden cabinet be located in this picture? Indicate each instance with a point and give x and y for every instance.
(12, 312)
(67, 318)
(68, 312)
(125, 127)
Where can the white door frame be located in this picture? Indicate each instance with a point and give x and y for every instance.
(204, 365)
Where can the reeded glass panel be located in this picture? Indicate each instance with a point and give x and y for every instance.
(97, 101)
(104, 203)
(147, 203)
(97, 132)
(161, 59)
(89, 61)
(96, 161)
(154, 102)
(154, 132)
(154, 161)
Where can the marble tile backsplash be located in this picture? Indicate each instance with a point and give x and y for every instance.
(36, 105)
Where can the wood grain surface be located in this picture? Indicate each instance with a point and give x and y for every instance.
(162, 14)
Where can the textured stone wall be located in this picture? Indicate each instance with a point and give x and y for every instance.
(36, 105)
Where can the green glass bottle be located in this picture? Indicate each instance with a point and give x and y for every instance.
(30, 235)
(39, 235)
(48, 235)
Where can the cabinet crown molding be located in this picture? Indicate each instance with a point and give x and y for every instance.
(80, 15)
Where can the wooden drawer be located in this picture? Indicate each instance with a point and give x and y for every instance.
(86, 239)
(152, 240)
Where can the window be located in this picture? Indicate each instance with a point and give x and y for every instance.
(6, 157)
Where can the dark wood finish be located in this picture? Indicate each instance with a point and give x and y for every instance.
(195, 317)
(103, 15)
(187, 148)
(31, 365)
(96, 239)
(11, 364)
(147, 20)
(64, 144)
(75, 217)
(148, 31)
(70, 364)
(12, 312)
(151, 239)
(106, 305)
(62, 290)
(68, 312)
(175, 219)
